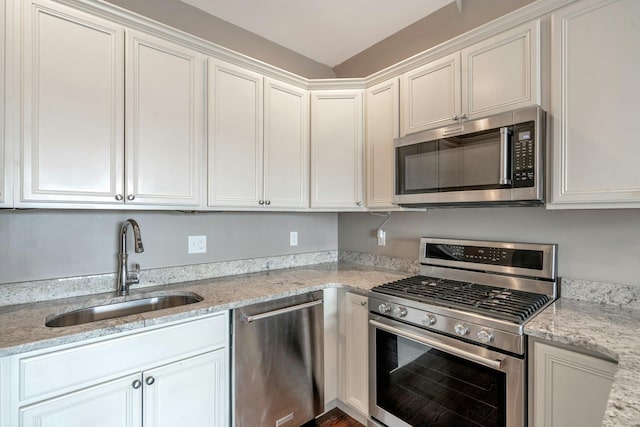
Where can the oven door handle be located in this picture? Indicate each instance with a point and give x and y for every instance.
(490, 363)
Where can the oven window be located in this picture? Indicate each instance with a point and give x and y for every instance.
(427, 387)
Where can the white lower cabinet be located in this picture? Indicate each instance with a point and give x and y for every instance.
(355, 353)
(175, 375)
(569, 388)
(111, 404)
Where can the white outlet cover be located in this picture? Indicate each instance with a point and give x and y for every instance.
(293, 238)
(197, 244)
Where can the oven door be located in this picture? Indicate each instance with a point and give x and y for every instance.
(418, 378)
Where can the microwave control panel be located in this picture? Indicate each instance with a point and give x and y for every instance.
(524, 155)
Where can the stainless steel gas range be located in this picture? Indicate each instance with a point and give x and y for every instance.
(447, 347)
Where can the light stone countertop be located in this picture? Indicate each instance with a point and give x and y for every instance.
(23, 326)
(604, 328)
(608, 330)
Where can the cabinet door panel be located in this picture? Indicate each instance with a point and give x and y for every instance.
(356, 352)
(192, 392)
(430, 95)
(235, 136)
(286, 145)
(557, 374)
(594, 71)
(73, 101)
(382, 127)
(336, 144)
(502, 73)
(5, 155)
(112, 404)
(164, 122)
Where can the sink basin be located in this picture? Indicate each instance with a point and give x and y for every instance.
(119, 309)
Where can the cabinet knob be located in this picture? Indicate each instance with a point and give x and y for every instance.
(463, 117)
(150, 380)
(136, 384)
(267, 202)
(119, 197)
(261, 202)
(131, 197)
(455, 118)
(358, 203)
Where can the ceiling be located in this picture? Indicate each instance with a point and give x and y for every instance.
(327, 31)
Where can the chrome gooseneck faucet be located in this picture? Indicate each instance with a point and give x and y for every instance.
(126, 278)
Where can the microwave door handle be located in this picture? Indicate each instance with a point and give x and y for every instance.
(505, 175)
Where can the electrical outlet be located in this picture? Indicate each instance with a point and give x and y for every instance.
(197, 244)
(382, 237)
(293, 238)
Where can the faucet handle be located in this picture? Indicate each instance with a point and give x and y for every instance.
(134, 276)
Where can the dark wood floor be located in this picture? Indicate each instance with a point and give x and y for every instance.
(334, 418)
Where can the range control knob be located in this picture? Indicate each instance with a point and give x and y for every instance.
(485, 336)
(461, 329)
(429, 320)
(384, 308)
(400, 311)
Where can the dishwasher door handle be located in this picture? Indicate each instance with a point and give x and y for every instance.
(249, 319)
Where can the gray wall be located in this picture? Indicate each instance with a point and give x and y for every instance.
(600, 245)
(440, 26)
(192, 20)
(46, 244)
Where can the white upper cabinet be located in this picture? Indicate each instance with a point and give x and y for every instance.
(502, 73)
(258, 140)
(594, 74)
(382, 127)
(498, 74)
(286, 146)
(73, 121)
(72, 106)
(6, 199)
(164, 105)
(336, 150)
(430, 95)
(235, 136)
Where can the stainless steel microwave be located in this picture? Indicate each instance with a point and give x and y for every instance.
(497, 160)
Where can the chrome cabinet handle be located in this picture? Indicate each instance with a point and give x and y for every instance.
(358, 203)
(150, 380)
(362, 303)
(136, 384)
(463, 117)
(261, 202)
(119, 197)
(455, 118)
(131, 197)
(268, 202)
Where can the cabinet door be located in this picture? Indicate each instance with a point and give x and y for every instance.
(5, 171)
(430, 95)
(235, 136)
(502, 73)
(357, 353)
(286, 146)
(113, 404)
(557, 375)
(193, 392)
(336, 149)
(594, 73)
(72, 101)
(164, 122)
(383, 120)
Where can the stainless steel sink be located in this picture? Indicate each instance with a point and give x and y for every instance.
(119, 309)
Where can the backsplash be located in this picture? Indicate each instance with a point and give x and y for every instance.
(43, 290)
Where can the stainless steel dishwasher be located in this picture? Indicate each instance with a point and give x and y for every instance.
(278, 352)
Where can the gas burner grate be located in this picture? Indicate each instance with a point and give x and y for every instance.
(505, 304)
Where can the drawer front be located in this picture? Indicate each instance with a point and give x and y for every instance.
(65, 370)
